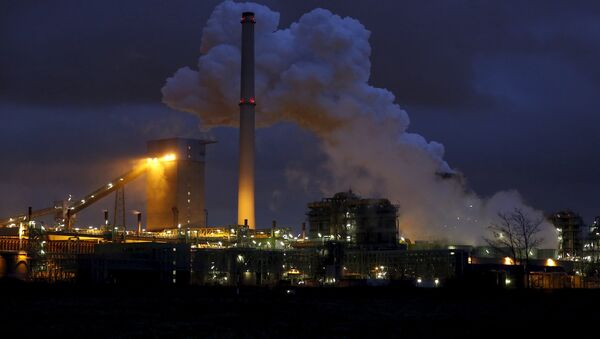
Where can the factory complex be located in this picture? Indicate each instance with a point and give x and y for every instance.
(347, 240)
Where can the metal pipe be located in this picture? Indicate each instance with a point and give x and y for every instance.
(106, 220)
(303, 230)
(139, 223)
(68, 221)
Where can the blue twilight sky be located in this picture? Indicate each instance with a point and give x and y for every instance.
(511, 88)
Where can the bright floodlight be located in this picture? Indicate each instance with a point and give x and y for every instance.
(169, 157)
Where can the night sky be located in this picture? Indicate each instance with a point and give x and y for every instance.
(509, 87)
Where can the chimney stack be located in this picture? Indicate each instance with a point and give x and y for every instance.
(106, 220)
(139, 223)
(303, 236)
(247, 104)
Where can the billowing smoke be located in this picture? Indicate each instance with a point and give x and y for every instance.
(315, 74)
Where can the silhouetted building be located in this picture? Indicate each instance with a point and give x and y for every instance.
(591, 248)
(347, 217)
(569, 226)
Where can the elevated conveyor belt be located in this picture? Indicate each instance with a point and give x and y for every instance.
(78, 205)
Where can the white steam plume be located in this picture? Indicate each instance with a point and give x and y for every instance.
(315, 74)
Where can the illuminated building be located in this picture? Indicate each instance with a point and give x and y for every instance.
(569, 226)
(591, 247)
(175, 185)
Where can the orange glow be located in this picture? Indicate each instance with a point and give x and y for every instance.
(169, 157)
(550, 262)
(246, 207)
(508, 261)
(166, 157)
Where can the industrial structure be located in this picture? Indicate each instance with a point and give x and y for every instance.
(365, 222)
(175, 189)
(578, 243)
(351, 240)
(247, 105)
(591, 247)
(570, 228)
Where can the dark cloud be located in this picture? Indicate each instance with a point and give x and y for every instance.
(96, 52)
(114, 51)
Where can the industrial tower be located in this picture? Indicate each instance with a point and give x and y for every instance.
(175, 188)
(247, 106)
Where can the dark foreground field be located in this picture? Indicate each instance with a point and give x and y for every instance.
(104, 311)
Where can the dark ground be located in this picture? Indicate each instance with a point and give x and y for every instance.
(174, 312)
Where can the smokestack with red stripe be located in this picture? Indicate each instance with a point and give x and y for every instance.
(247, 104)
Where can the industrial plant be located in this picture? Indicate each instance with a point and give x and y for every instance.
(346, 239)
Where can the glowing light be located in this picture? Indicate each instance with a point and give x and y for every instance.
(508, 261)
(507, 281)
(550, 262)
(169, 157)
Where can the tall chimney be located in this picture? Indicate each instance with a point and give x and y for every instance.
(247, 103)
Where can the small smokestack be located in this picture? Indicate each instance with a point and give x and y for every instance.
(106, 219)
(247, 106)
(29, 213)
(273, 227)
(303, 230)
(139, 223)
(68, 221)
